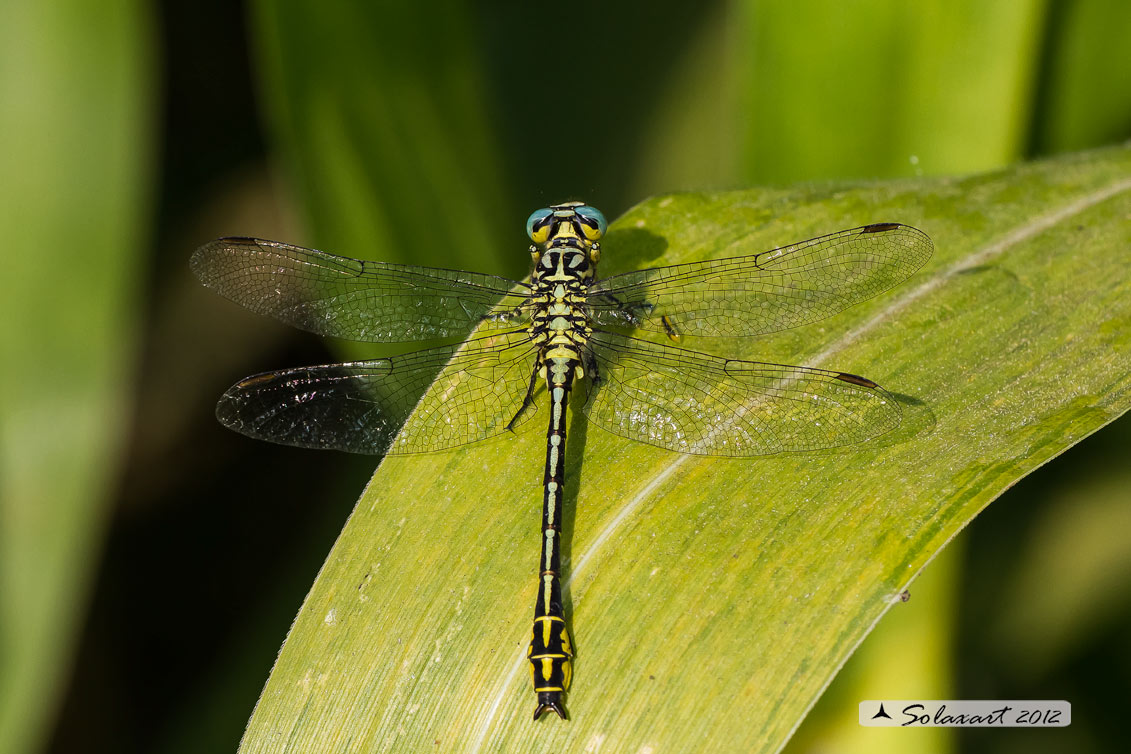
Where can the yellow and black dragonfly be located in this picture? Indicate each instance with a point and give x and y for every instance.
(562, 327)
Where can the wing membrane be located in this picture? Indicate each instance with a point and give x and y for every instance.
(352, 299)
(695, 403)
(763, 293)
(376, 406)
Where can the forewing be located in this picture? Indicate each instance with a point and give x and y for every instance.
(470, 392)
(763, 293)
(356, 300)
(694, 403)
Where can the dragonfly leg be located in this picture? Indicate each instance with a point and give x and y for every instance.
(634, 313)
(591, 369)
(631, 312)
(527, 400)
(503, 316)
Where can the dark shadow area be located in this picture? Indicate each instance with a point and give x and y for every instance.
(982, 269)
(632, 248)
(204, 569)
(918, 420)
(1039, 139)
(577, 150)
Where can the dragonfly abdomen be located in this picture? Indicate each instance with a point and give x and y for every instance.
(550, 649)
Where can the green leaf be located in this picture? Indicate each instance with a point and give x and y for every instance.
(881, 88)
(75, 125)
(381, 116)
(713, 599)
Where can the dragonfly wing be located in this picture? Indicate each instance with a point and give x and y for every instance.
(763, 293)
(377, 407)
(699, 404)
(356, 300)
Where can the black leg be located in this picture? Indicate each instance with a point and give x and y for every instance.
(527, 400)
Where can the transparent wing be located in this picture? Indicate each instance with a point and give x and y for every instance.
(376, 406)
(763, 293)
(348, 298)
(695, 403)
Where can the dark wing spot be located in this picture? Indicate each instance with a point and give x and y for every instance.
(855, 380)
(879, 227)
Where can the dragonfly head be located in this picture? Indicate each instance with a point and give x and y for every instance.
(570, 224)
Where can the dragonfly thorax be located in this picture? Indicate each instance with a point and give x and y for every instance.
(563, 262)
(560, 282)
(564, 267)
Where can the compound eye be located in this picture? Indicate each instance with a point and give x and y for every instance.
(538, 225)
(593, 223)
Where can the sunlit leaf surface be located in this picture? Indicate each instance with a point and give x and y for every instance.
(713, 599)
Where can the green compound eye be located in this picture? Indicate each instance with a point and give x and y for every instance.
(538, 225)
(593, 223)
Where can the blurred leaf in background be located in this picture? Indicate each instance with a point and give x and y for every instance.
(424, 132)
(884, 89)
(383, 122)
(76, 161)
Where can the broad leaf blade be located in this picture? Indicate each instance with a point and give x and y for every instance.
(712, 599)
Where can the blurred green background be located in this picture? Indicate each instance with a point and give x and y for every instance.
(142, 598)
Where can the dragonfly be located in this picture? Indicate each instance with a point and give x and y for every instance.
(561, 327)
